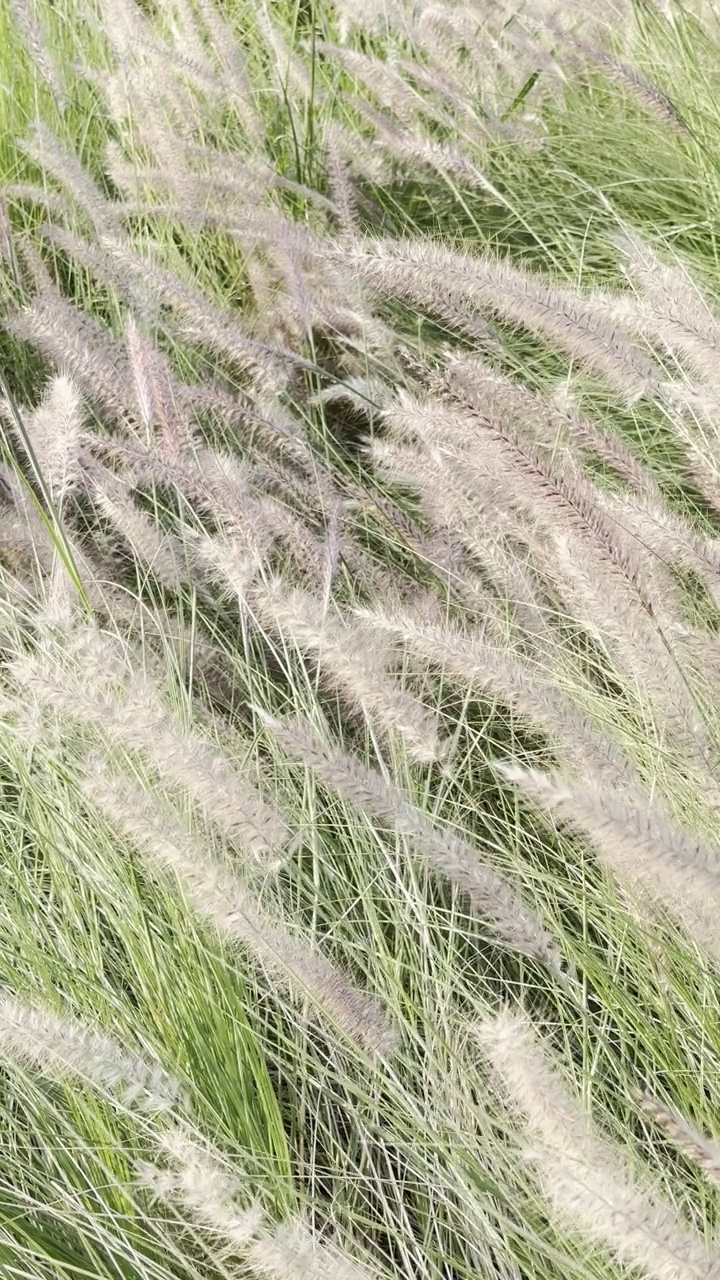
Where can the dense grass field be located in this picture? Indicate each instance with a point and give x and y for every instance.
(359, 640)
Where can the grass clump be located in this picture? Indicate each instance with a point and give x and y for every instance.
(359, 598)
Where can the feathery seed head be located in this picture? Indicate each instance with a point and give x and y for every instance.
(584, 1178)
(62, 1046)
(232, 909)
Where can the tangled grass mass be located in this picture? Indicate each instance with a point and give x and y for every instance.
(359, 640)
